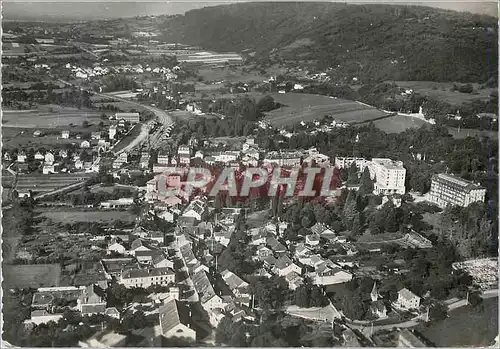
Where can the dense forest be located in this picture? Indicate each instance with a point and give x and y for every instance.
(371, 42)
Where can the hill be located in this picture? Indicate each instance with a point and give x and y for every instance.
(363, 41)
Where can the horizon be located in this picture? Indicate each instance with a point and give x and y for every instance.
(69, 10)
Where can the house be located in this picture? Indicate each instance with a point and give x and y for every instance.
(208, 298)
(275, 245)
(104, 339)
(95, 135)
(112, 312)
(263, 252)
(42, 317)
(196, 210)
(21, 157)
(48, 169)
(37, 133)
(378, 309)
(321, 230)
(139, 245)
(147, 277)
(112, 131)
(175, 320)
(146, 257)
(285, 266)
(6, 157)
(301, 250)
(85, 145)
(65, 134)
(330, 274)
(407, 299)
(91, 301)
(38, 156)
(78, 164)
(116, 247)
(159, 261)
(49, 158)
(312, 239)
(237, 286)
(118, 203)
(294, 280)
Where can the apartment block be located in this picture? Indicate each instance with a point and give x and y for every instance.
(450, 190)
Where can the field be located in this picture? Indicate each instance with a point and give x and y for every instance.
(49, 117)
(34, 275)
(466, 327)
(229, 74)
(442, 91)
(307, 107)
(398, 123)
(47, 183)
(74, 216)
(464, 132)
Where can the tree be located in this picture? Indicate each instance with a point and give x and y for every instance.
(224, 331)
(85, 124)
(366, 182)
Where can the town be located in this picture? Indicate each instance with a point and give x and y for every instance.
(329, 216)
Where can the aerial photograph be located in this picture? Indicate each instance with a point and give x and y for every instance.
(249, 174)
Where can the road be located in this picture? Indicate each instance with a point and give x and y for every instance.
(162, 116)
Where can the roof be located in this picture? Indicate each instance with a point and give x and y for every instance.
(173, 313)
(411, 339)
(456, 182)
(203, 286)
(233, 280)
(93, 308)
(151, 253)
(318, 228)
(283, 262)
(407, 294)
(138, 273)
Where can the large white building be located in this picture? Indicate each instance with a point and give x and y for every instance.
(389, 176)
(133, 118)
(147, 277)
(447, 189)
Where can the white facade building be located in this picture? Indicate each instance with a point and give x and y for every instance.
(389, 176)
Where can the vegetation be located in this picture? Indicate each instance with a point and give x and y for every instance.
(377, 42)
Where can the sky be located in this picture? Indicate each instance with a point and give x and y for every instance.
(96, 9)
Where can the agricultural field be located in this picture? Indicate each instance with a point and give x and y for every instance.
(49, 116)
(76, 216)
(307, 107)
(33, 275)
(443, 92)
(230, 74)
(47, 183)
(465, 132)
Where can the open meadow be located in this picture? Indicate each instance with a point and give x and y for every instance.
(307, 107)
(76, 216)
(230, 74)
(442, 91)
(34, 275)
(398, 123)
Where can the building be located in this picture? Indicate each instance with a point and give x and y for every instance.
(147, 277)
(65, 134)
(95, 135)
(38, 156)
(49, 158)
(184, 150)
(112, 131)
(21, 157)
(208, 298)
(450, 190)
(407, 299)
(389, 176)
(283, 158)
(346, 162)
(133, 118)
(163, 158)
(85, 145)
(175, 320)
(91, 302)
(118, 203)
(406, 339)
(238, 287)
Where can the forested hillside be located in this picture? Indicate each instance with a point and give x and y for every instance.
(364, 41)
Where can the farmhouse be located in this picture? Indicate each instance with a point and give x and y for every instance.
(38, 156)
(407, 299)
(65, 134)
(85, 145)
(21, 157)
(112, 131)
(49, 158)
(118, 203)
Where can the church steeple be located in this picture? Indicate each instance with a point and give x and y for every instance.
(374, 294)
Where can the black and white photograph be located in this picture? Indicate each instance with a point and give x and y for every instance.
(249, 173)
